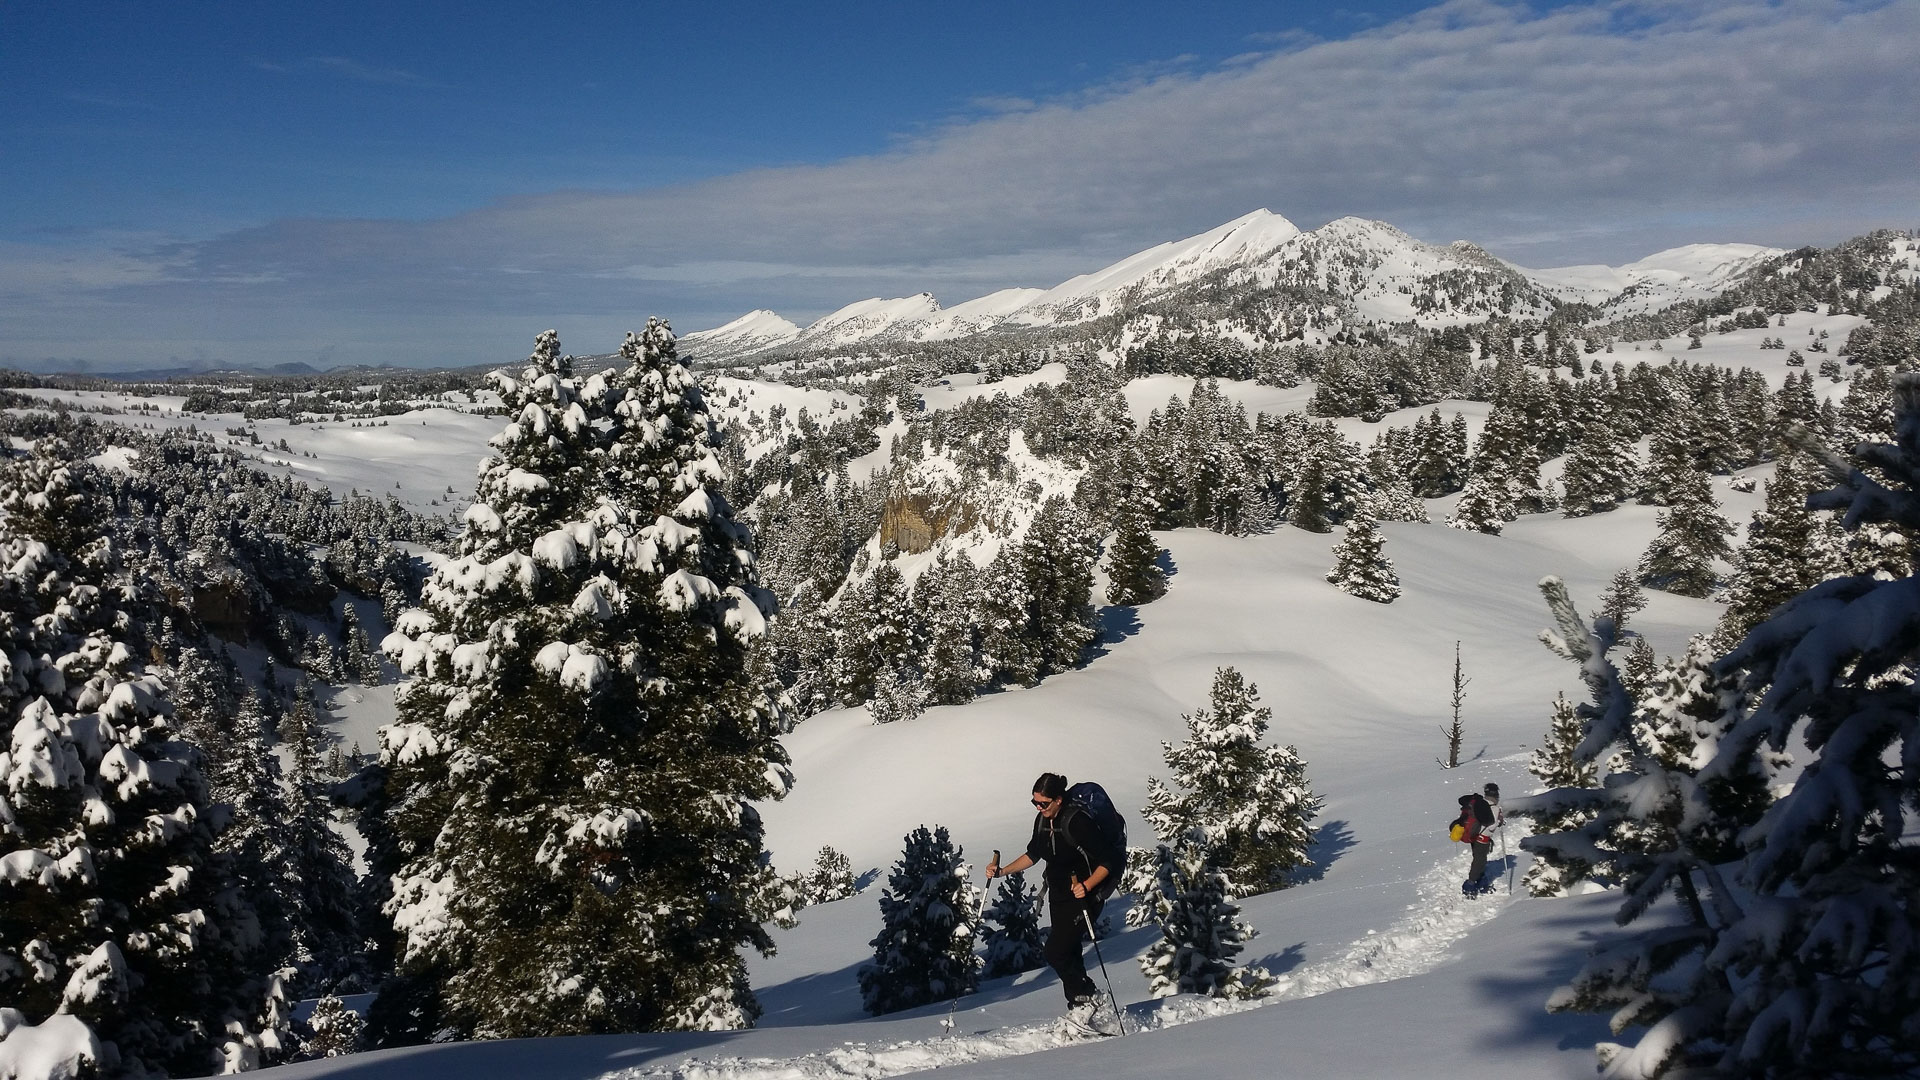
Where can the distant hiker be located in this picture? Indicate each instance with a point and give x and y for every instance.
(1470, 828)
(1491, 793)
(1083, 869)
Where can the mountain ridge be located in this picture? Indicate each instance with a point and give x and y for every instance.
(1379, 271)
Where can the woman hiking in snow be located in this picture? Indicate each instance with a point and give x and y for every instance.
(1083, 869)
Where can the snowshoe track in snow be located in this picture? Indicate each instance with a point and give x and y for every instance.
(1416, 944)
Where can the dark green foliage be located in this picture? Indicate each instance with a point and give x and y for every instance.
(595, 863)
(930, 923)
(114, 906)
(1780, 559)
(1692, 535)
(1361, 567)
(1248, 803)
(1013, 934)
(1134, 576)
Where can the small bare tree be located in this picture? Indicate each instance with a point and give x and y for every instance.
(1457, 733)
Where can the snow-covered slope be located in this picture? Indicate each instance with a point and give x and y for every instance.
(1392, 277)
(752, 332)
(1239, 242)
(972, 317)
(1376, 940)
(868, 318)
(1689, 272)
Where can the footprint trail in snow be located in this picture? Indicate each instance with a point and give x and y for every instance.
(1415, 944)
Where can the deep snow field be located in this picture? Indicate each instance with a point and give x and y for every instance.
(1386, 970)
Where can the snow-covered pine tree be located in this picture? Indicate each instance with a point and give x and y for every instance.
(1056, 559)
(830, 879)
(874, 644)
(314, 871)
(1812, 970)
(333, 1030)
(1672, 461)
(1250, 804)
(1660, 823)
(1435, 470)
(1361, 567)
(122, 944)
(1555, 765)
(579, 753)
(1134, 576)
(1637, 674)
(1307, 502)
(362, 662)
(930, 919)
(1182, 892)
(899, 694)
(952, 664)
(1006, 650)
(1622, 599)
(1600, 472)
(1486, 505)
(1013, 936)
(1780, 559)
(1692, 535)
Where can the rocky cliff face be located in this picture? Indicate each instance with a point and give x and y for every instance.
(912, 521)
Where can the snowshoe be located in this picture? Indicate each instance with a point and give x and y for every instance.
(1090, 1017)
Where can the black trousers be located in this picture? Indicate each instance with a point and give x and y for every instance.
(1067, 938)
(1478, 868)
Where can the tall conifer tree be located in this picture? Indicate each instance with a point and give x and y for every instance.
(585, 736)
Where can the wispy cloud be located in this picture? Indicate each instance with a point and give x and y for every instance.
(346, 67)
(111, 101)
(1595, 133)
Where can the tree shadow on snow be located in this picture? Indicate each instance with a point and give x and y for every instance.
(1285, 960)
(1519, 993)
(1330, 841)
(865, 879)
(1116, 624)
(1166, 564)
(824, 997)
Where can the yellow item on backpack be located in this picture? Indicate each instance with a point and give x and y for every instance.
(1458, 832)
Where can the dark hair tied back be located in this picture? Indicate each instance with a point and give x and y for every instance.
(1052, 785)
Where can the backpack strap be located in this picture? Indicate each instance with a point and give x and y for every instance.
(1068, 813)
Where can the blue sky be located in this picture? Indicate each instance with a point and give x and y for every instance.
(433, 183)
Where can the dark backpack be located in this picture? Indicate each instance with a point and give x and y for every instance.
(1109, 828)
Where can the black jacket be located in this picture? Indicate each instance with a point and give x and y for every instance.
(1070, 847)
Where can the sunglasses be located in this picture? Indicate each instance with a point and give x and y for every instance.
(1043, 803)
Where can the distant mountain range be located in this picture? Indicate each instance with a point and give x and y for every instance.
(1379, 272)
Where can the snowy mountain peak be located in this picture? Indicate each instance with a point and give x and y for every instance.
(754, 329)
(1692, 271)
(869, 318)
(1240, 241)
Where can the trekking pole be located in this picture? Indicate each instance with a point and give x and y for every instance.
(953, 1004)
(1119, 1017)
(1503, 853)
